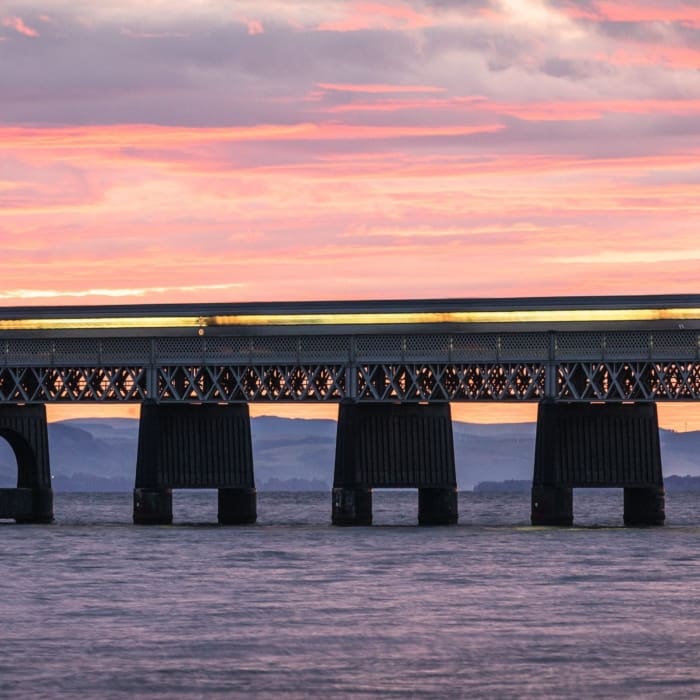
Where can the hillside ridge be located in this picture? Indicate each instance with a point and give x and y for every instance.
(298, 453)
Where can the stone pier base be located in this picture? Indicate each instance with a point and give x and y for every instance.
(437, 506)
(27, 505)
(153, 506)
(352, 506)
(237, 506)
(552, 505)
(645, 506)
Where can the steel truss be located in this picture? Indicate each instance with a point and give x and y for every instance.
(232, 383)
(451, 382)
(243, 383)
(629, 381)
(73, 384)
(527, 366)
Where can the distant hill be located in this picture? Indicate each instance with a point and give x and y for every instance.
(682, 483)
(507, 486)
(298, 454)
(672, 483)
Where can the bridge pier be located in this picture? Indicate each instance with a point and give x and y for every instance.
(552, 505)
(437, 506)
(597, 445)
(352, 506)
(25, 429)
(153, 506)
(645, 506)
(394, 446)
(194, 446)
(237, 506)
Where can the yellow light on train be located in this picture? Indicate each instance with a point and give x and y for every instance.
(379, 318)
(430, 317)
(96, 323)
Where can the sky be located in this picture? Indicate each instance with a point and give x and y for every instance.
(273, 150)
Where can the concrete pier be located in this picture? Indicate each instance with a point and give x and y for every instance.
(394, 446)
(153, 506)
(552, 505)
(25, 429)
(437, 506)
(645, 506)
(597, 445)
(194, 446)
(237, 506)
(352, 506)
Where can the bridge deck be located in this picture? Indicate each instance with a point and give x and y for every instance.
(578, 348)
(556, 313)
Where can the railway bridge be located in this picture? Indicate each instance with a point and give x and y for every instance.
(596, 366)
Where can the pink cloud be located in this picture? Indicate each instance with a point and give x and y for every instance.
(637, 11)
(439, 179)
(545, 110)
(640, 54)
(112, 139)
(452, 212)
(19, 26)
(376, 88)
(383, 16)
(254, 26)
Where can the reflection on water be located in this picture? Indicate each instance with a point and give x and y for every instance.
(293, 607)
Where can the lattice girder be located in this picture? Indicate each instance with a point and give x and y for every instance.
(629, 381)
(453, 382)
(72, 384)
(401, 381)
(232, 383)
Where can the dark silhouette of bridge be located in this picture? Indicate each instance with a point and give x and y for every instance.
(597, 366)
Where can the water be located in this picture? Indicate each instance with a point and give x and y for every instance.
(294, 608)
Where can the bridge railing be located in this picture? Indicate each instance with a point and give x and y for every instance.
(680, 345)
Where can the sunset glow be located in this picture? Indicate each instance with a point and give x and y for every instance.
(265, 151)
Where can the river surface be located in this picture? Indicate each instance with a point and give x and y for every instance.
(94, 607)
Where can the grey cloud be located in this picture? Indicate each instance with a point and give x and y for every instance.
(572, 69)
(216, 74)
(585, 5)
(642, 31)
(460, 4)
(500, 49)
(191, 74)
(612, 136)
(688, 35)
(670, 177)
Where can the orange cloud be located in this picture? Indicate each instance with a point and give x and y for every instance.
(120, 293)
(119, 139)
(144, 206)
